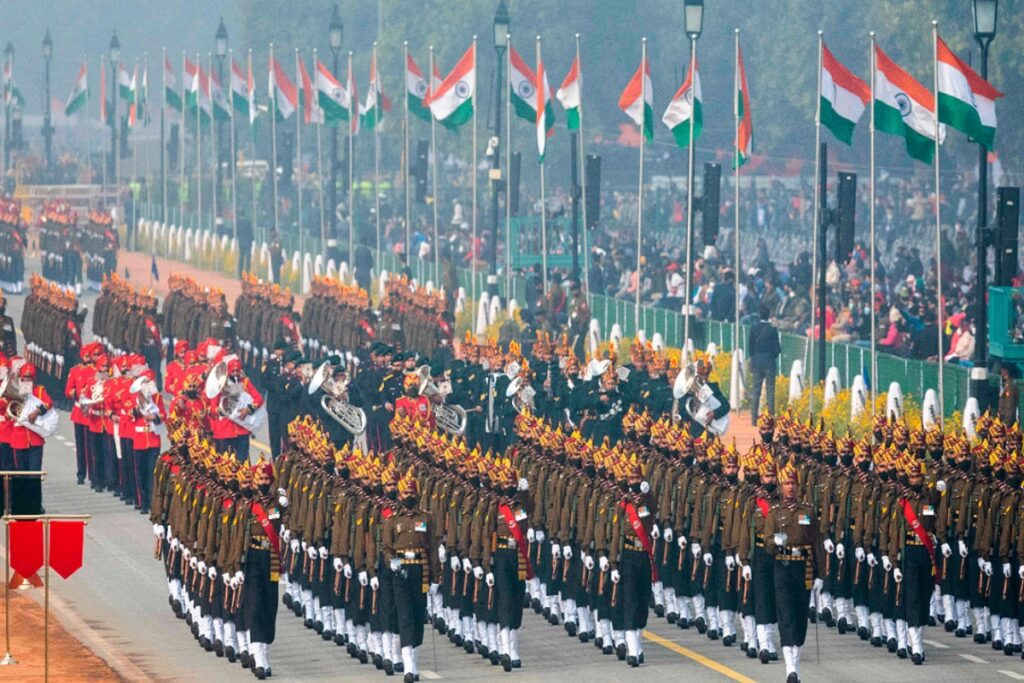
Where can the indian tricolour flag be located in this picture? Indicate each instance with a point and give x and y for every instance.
(416, 89)
(745, 131)
(133, 99)
(967, 102)
(544, 107)
(637, 100)
(283, 97)
(904, 107)
(221, 108)
(240, 90)
(333, 100)
(124, 83)
(451, 102)
(79, 92)
(569, 95)
(376, 101)
(843, 97)
(522, 87)
(171, 93)
(686, 104)
(352, 114)
(198, 93)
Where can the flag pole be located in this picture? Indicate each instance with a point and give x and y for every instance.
(101, 102)
(508, 166)
(213, 145)
(938, 223)
(353, 111)
(640, 188)
(252, 140)
(181, 148)
(405, 166)
(199, 142)
(145, 102)
(234, 163)
(815, 226)
(736, 199)
(376, 150)
(135, 138)
(871, 213)
(543, 203)
(433, 169)
(297, 175)
(472, 250)
(687, 295)
(273, 138)
(583, 172)
(163, 135)
(319, 165)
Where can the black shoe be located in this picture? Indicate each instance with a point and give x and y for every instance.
(1008, 649)
(177, 608)
(81, 480)
(363, 657)
(997, 645)
(763, 656)
(931, 621)
(535, 604)
(599, 642)
(752, 652)
(218, 648)
(456, 638)
(640, 658)
(702, 626)
(743, 646)
(607, 650)
(584, 636)
(792, 678)
(297, 608)
(917, 659)
(339, 639)
(205, 644)
(570, 627)
(493, 656)
(517, 664)
(620, 652)
(441, 626)
(378, 662)
(327, 635)
(961, 633)
(659, 611)
(672, 617)
(506, 663)
(1017, 648)
(482, 650)
(728, 640)
(950, 626)
(901, 653)
(713, 634)
(350, 648)
(318, 626)
(682, 623)
(399, 667)
(389, 668)
(773, 655)
(308, 623)
(979, 638)
(195, 630)
(812, 616)
(876, 641)
(231, 655)
(546, 613)
(891, 645)
(841, 626)
(553, 619)
(408, 678)
(468, 646)
(260, 673)
(632, 661)
(188, 620)
(863, 633)
(245, 659)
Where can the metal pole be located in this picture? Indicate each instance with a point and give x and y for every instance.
(320, 170)
(181, 150)
(8, 657)
(819, 187)
(822, 238)
(583, 173)
(199, 143)
(215, 131)
(252, 145)
(433, 168)
(497, 182)
(297, 174)
(46, 599)
(234, 180)
(473, 170)
(333, 189)
(405, 166)
(508, 165)
(163, 144)
(273, 142)
(871, 213)
(544, 209)
(938, 225)
(736, 190)
(353, 111)
(687, 295)
(640, 188)
(979, 373)
(376, 153)
(574, 188)
(47, 128)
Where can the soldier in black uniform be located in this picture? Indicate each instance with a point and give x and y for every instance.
(8, 336)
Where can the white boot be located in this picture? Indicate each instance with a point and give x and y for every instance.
(994, 624)
(728, 622)
(962, 618)
(787, 655)
(659, 593)
(230, 639)
(901, 634)
(619, 638)
(795, 655)
(259, 654)
(698, 607)
(362, 633)
(772, 632)
(503, 642)
(670, 602)
(415, 661)
(407, 659)
(570, 612)
(916, 644)
(1005, 630)
(492, 637)
(876, 624)
(396, 648)
(218, 630)
(949, 607)
(632, 643)
(373, 643)
(750, 632)
(513, 645)
(586, 623)
(713, 624)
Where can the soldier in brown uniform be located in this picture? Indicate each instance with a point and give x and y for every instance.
(794, 542)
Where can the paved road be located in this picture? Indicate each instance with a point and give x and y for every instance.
(118, 606)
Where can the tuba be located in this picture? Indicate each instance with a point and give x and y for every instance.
(451, 419)
(9, 392)
(522, 394)
(352, 418)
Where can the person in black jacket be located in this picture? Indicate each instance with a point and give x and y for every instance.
(764, 353)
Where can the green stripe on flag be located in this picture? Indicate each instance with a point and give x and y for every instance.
(840, 127)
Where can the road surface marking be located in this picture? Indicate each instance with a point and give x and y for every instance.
(436, 676)
(1012, 674)
(972, 658)
(697, 657)
(936, 644)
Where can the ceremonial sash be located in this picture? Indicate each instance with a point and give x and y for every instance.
(268, 528)
(763, 505)
(517, 533)
(641, 533)
(922, 535)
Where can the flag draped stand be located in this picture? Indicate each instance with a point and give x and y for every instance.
(739, 91)
(640, 186)
(583, 172)
(473, 242)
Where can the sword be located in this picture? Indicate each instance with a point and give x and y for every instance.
(490, 597)
(156, 550)
(337, 583)
(565, 570)
(238, 598)
(615, 593)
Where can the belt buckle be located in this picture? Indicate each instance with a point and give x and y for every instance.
(409, 555)
(512, 543)
(265, 544)
(797, 552)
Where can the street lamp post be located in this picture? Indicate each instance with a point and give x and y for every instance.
(985, 15)
(47, 128)
(9, 65)
(501, 24)
(115, 59)
(335, 34)
(693, 23)
(221, 44)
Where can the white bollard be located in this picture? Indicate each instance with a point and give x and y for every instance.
(858, 397)
(307, 273)
(737, 390)
(513, 308)
(657, 343)
(593, 341)
(332, 268)
(712, 350)
(595, 327)
(930, 412)
(615, 336)
(894, 402)
(382, 283)
(641, 337)
(796, 380)
(481, 317)
(832, 385)
(494, 309)
(971, 415)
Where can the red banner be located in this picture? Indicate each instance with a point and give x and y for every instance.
(26, 547)
(66, 546)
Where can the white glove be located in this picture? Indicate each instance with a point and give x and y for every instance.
(567, 552)
(158, 531)
(667, 534)
(374, 583)
(540, 536)
(780, 540)
(523, 484)
(988, 568)
(174, 544)
(556, 550)
(531, 535)
(981, 563)
(830, 547)
(1020, 572)
(886, 563)
(240, 576)
(1006, 569)
(347, 569)
(441, 553)
(305, 546)
(603, 563)
(746, 572)
(946, 550)
(681, 542)
(282, 501)
(708, 559)
(169, 533)
(478, 572)
(859, 554)
(234, 583)
(615, 576)
(337, 564)
(963, 548)
(655, 532)
(364, 579)
(396, 564)
(323, 553)
(311, 551)
(455, 563)
(730, 563)
(201, 566)
(897, 575)
(294, 545)
(281, 492)
(695, 549)
(489, 579)
(872, 560)
(818, 584)
(212, 572)
(588, 562)
(227, 579)
(840, 551)
(940, 486)
(285, 535)
(467, 566)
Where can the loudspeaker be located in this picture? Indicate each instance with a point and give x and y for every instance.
(846, 215)
(1007, 226)
(172, 148)
(514, 169)
(709, 203)
(593, 191)
(418, 169)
